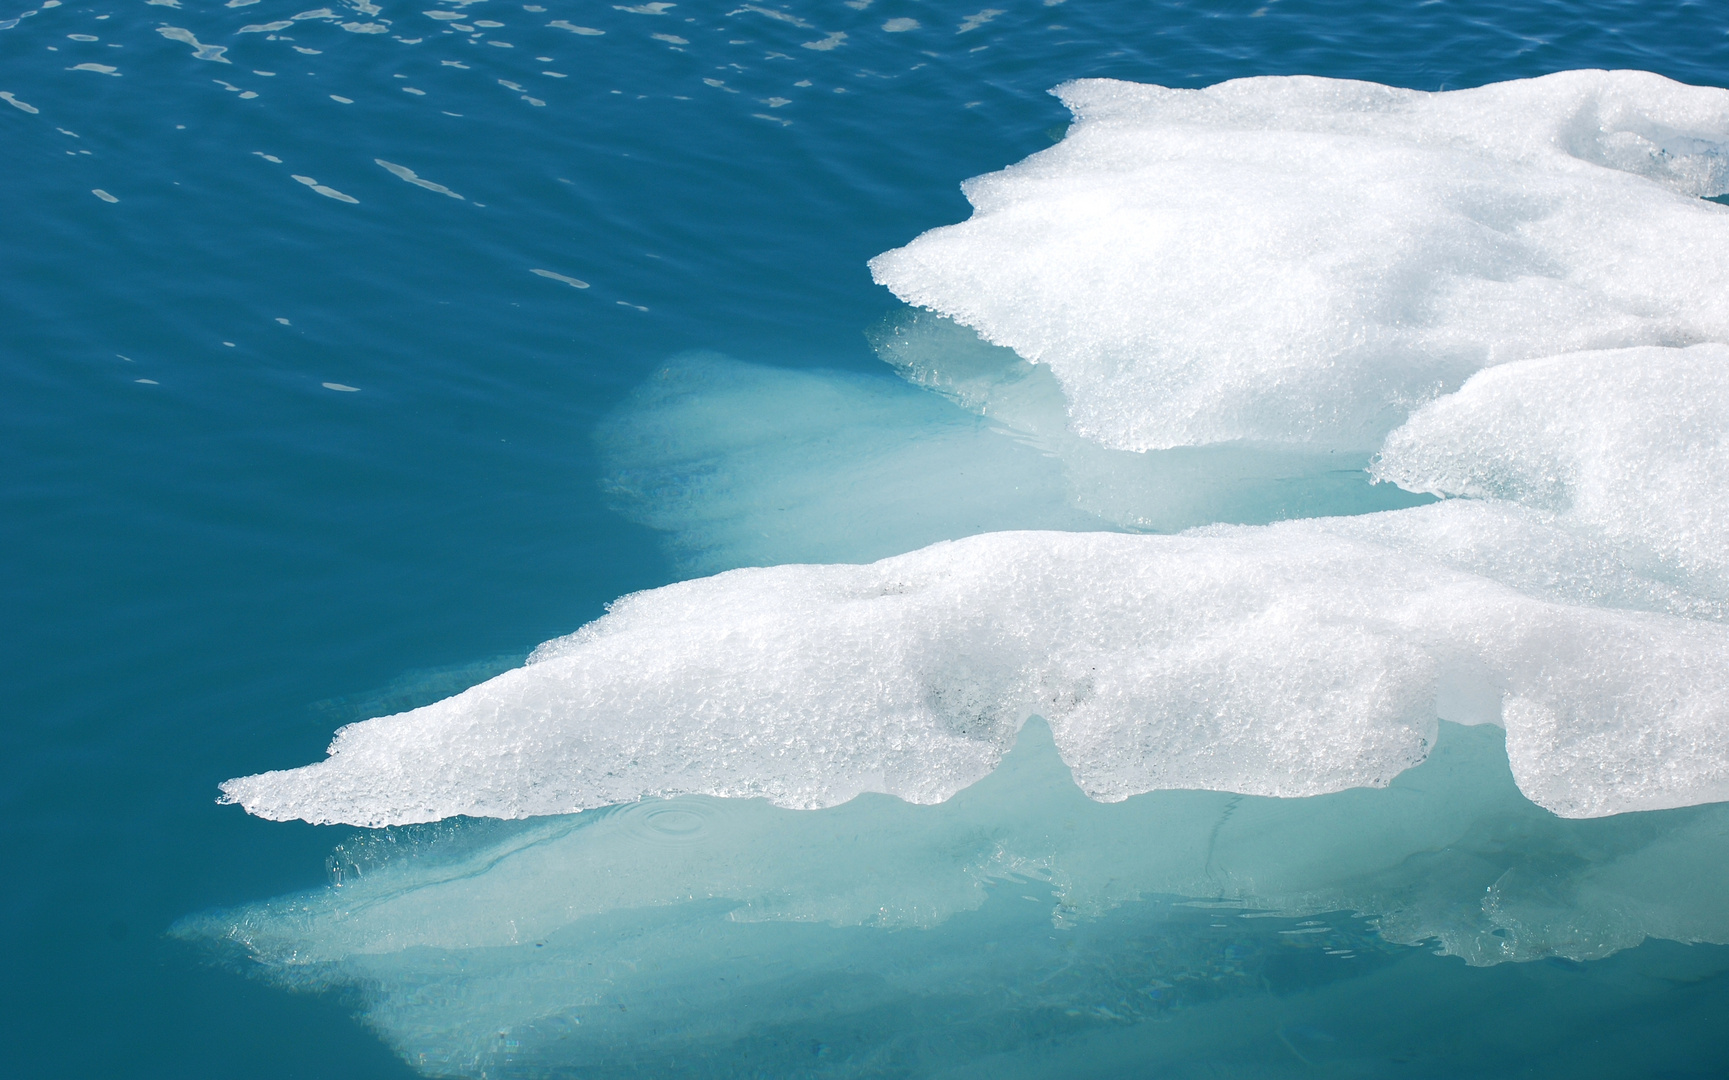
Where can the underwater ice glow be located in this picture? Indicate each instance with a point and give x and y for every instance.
(626, 934)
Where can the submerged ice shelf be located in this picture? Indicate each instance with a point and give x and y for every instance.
(693, 926)
(1414, 854)
(745, 465)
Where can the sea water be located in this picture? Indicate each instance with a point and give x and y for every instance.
(352, 353)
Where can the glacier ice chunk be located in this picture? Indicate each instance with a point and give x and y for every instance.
(1306, 259)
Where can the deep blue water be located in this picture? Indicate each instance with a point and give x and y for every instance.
(208, 555)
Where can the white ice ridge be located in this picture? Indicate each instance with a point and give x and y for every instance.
(1286, 660)
(1307, 260)
(1630, 447)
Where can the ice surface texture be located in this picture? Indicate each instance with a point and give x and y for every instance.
(1631, 446)
(1305, 259)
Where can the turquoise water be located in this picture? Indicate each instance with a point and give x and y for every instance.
(279, 456)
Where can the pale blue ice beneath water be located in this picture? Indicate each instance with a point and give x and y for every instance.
(1255, 605)
(1022, 929)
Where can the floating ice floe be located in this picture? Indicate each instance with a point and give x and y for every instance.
(1277, 660)
(1581, 607)
(1440, 716)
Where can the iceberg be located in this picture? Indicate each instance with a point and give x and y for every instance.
(1298, 529)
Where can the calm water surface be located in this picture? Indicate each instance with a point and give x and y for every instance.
(307, 319)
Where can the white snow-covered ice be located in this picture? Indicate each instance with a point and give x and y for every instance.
(1290, 660)
(1304, 259)
(1629, 446)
